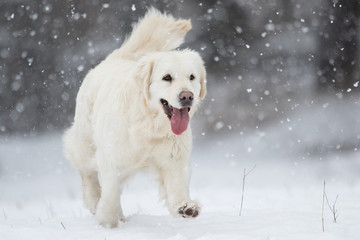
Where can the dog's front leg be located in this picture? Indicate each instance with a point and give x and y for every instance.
(174, 186)
(108, 208)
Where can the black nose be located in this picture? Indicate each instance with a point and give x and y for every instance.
(186, 98)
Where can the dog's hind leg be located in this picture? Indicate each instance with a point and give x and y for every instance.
(90, 189)
(80, 151)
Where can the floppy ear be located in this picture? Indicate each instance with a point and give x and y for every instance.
(203, 83)
(143, 73)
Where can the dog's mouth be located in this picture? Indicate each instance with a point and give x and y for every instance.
(179, 118)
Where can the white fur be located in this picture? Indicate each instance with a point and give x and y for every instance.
(120, 126)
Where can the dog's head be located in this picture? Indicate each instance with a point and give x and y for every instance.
(173, 83)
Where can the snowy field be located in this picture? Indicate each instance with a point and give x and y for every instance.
(40, 193)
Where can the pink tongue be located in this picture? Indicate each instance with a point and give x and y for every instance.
(179, 120)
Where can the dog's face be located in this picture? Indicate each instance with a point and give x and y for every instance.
(174, 85)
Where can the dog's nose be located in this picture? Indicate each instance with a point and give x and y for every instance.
(186, 98)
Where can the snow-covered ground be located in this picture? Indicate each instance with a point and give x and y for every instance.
(40, 194)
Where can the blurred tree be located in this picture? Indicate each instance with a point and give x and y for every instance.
(223, 36)
(32, 86)
(338, 49)
(259, 54)
(47, 47)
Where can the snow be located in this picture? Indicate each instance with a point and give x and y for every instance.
(40, 191)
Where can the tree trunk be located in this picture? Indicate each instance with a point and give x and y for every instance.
(338, 47)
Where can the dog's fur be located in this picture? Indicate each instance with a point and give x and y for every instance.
(121, 125)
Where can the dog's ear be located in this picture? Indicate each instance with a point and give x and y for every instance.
(203, 83)
(143, 73)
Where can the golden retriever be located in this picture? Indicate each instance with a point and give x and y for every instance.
(132, 114)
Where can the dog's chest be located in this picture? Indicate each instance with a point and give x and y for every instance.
(160, 149)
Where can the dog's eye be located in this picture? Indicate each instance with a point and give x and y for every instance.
(167, 77)
(192, 77)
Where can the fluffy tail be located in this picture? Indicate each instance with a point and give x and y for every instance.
(155, 32)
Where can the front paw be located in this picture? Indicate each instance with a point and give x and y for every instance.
(107, 217)
(189, 210)
(107, 221)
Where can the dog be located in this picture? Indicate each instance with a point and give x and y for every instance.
(132, 114)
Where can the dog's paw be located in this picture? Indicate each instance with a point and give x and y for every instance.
(107, 221)
(91, 204)
(106, 216)
(189, 210)
(122, 218)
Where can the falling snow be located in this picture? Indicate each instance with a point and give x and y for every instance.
(133, 8)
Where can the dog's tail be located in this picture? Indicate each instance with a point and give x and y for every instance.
(155, 32)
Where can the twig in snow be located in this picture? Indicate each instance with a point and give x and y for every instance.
(333, 208)
(63, 225)
(5, 216)
(243, 187)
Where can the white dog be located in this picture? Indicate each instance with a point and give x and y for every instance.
(132, 114)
